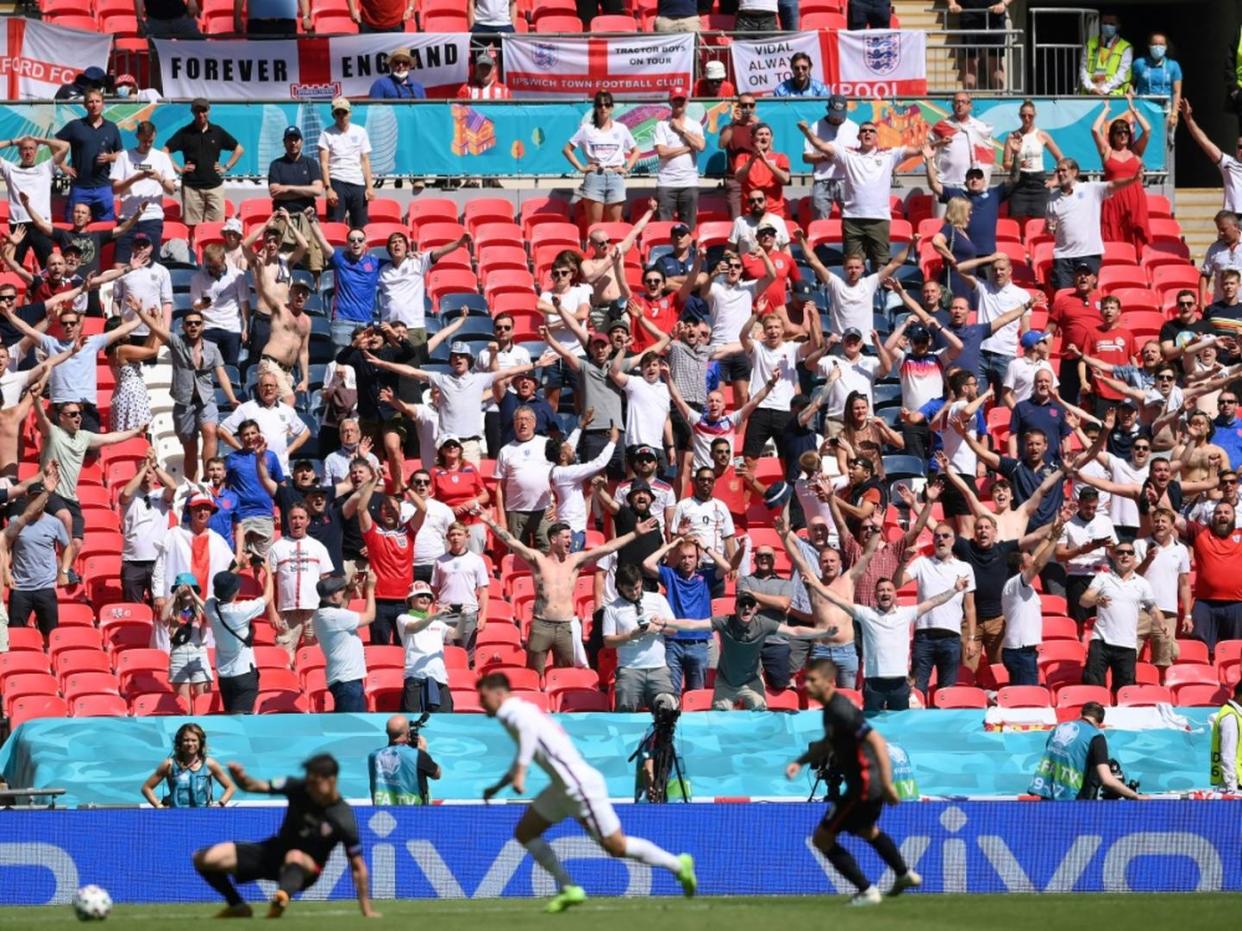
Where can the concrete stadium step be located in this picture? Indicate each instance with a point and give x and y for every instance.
(1194, 209)
(941, 61)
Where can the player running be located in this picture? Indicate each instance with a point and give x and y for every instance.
(861, 754)
(316, 820)
(576, 791)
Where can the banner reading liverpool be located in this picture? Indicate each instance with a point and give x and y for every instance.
(861, 63)
(625, 66)
(37, 59)
(308, 68)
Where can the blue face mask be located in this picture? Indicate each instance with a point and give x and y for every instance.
(1108, 30)
(1156, 52)
(123, 91)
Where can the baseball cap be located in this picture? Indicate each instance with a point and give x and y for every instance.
(679, 229)
(330, 585)
(198, 103)
(974, 173)
(95, 74)
(125, 79)
(852, 332)
(198, 501)
(1128, 403)
(420, 588)
(678, 93)
(292, 132)
(341, 103)
(226, 585)
(232, 225)
(141, 239)
(645, 452)
(186, 578)
(598, 337)
(621, 323)
(301, 284)
(1031, 338)
(446, 439)
(776, 495)
(637, 486)
(530, 376)
(485, 60)
(460, 349)
(918, 333)
(766, 228)
(803, 290)
(715, 71)
(837, 107)
(401, 52)
(326, 490)
(1083, 267)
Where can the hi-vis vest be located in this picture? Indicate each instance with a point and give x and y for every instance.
(1237, 67)
(1108, 61)
(1230, 709)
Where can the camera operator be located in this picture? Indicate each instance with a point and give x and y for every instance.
(641, 670)
(399, 772)
(1075, 764)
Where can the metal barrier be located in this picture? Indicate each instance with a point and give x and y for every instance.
(1058, 37)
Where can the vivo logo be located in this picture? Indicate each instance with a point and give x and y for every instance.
(958, 856)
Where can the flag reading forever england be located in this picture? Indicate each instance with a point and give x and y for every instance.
(37, 59)
(639, 65)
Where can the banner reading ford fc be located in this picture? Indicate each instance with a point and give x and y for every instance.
(864, 63)
(308, 68)
(37, 59)
(639, 65)
(469, 852)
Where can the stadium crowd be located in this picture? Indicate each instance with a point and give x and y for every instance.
(312, 455)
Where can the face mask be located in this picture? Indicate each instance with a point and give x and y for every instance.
(400, 73)
(1156, 52)
(1108, 30)
(123, 90)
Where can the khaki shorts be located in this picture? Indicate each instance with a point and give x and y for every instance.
(751, 694)
(202, 205)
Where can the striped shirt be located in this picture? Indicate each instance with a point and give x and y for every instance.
(688, 367)
(883, 565)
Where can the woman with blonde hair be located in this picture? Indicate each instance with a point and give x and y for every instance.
(955, 247)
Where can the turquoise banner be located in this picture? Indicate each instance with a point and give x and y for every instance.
(483, 139)
(726, 754)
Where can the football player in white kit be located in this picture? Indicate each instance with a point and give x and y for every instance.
(576, 791)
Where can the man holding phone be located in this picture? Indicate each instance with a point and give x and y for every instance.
(1083, 548)
(641, 670)
(142, 176)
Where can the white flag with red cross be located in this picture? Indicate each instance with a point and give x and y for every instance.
(625, 66)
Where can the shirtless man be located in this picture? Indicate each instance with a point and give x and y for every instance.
(1010, 521)
(272, 270)
(12, 418)
(1194, 457)
(825, 615)
(289, 342)
(603, 269)
(554, 576)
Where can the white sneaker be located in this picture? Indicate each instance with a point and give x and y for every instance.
(911, 880)
(869, 896)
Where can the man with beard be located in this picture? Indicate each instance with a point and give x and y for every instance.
(1217, 548)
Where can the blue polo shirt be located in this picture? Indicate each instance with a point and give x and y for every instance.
(1154, 79)
(243, 478)
(356, 283)
(1050, 417)
(85, 143)
(389, 88)
(972, 336)
(985, 211)
(1228, 436)
(690, 599)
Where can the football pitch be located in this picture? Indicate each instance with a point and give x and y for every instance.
(913, 912)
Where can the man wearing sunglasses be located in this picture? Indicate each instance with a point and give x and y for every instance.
(1118, 596)
(603, 268)
(1074, 220)
(356, 279)
(735, 140)
(801, 83)
(744, 237)
(345, 166)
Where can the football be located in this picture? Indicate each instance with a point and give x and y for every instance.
(92, 903)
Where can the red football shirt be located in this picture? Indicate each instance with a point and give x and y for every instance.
(1116, 347)
(786, 271)
(391, 556)
(663, 312)
(1075, 318)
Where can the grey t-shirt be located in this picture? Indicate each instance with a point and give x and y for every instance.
(600, 392)
(774, 585)
(740, 647)
(33, 559)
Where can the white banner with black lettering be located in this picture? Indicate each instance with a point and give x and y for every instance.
(625, 66)
(862, 63)
(37, 59)
(308, 68)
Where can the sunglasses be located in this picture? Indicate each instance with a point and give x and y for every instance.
(1185, 303)
(503, 329)
(1123, 552)
(1142, 449)
(191, 322)
(71, 413)
(1229, 481)
(869, 132)
(756, 202)
(736, 265)
(355, 240)
(654, 282)
(420, 481)
(601, 106)
(751, 106)
(69, 322)
(8, 297)
(599, 243)
(1227, 400)
(561, 273)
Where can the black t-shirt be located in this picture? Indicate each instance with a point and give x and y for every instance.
(371, 379)
(845, 741)
(90, 244)
(1120, 442)
(638, 550)
(314, 829)
(1097, 753)
(301, 171)
(31, 314)
(202, 147)
(991, 572)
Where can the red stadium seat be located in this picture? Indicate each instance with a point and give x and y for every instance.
(697, 700)
(89, 683)
(456, 658)
(384, 210)
(536, 211)
(1228, 651)
(1119, 253)
(72, 638)
(784, 700)
(1202, 695)
(85, 661)
(24, 684)
(75, 21)
(438, 233)
(385, 656)
(444, 22)
(559, 679)
(99, 706)
(1190, 673)
(1079, 695)
(74, 614)
(26, 638)
(36, 706)
(281, 702)
(1193, 651)
(959, 696)
(1023, 696)
(271, 657)
(466, 701)
(1113, 277)
(557, 22)
(499, 633)
(822, 21)
(23, 661)
(278, 678)
(1141, 695)
(499, 654)
(572, 700)
(157, 704)
(1060, 628)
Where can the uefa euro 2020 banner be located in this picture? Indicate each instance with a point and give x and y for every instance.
(861, 63)
(307, 68)
(469, 852)
(37, 59)
(625, 66)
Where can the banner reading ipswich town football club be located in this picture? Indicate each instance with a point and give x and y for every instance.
(37, 59)
(862, 63)
(625, 66)
(308, 68)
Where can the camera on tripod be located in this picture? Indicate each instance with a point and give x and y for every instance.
(1107, 794)
(658, 769)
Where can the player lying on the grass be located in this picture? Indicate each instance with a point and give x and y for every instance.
(576, 791)
(316, 820)
(862, 756)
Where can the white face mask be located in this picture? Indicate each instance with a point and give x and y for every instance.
(400, 72)
(1156, 52)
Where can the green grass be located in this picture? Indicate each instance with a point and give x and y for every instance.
(909, 913)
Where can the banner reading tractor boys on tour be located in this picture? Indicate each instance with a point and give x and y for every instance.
(863, 63)
(308, 68)
(639, 65)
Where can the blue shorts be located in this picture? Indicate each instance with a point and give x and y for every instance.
(103, 207)
(604, 187)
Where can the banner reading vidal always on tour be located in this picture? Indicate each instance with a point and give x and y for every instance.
(37, 59)
(308, 68)
(639, 65)
(864, 63)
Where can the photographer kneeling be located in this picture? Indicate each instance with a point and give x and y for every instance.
(399, 772)
(1075, 764)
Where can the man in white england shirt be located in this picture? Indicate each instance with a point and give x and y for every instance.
(994, 299)
(964, 139)
(460, 581)
(1082, 549)
(829, 184)
(853, 297)
(1118, 596)
(25, 177)
(403, 281)
(1019, 379)
(524, 483)
(1024, 620)
(429, 543)
(298, 562)
(939, 634)
(1165, 562)
(646, 417)
(499, 356)
(142, 177)
(1073, 219)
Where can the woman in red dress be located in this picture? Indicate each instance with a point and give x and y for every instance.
(1123, 217)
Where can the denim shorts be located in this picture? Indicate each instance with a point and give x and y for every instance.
(604, 187)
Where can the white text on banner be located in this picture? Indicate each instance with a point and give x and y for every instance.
(625, 66)
(881, 63)
(37, 59)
